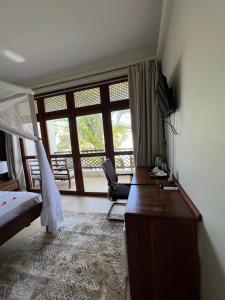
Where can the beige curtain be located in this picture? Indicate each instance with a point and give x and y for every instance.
(146, 119)
(14, 159)
(10, 156)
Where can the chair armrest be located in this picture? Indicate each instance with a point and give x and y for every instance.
(124, 174)
(121, 183)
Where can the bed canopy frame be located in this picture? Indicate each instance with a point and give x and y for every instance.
(17, 117)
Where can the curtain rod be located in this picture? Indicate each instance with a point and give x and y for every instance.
(79, 77)
(82, 80)
(71, 80)
(79, 86)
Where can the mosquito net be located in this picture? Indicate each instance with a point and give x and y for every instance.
(17, 117)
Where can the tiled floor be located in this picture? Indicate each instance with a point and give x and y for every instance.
(91, 183)
(72, 203)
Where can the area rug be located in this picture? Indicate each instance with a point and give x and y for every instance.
(86, 261)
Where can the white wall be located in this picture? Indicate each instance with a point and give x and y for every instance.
(194, 61)
(86, 73)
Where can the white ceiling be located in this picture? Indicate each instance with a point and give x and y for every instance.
(56, 35)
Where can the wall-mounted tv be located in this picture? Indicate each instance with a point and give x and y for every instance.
(165, 97)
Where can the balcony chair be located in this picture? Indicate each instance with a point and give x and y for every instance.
(60, 167)
(117, 191)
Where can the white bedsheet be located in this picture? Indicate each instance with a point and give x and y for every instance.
(13, 204)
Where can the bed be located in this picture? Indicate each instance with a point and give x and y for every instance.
(17, 211)
(18, 118)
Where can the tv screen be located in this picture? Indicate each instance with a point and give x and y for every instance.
(166, 100)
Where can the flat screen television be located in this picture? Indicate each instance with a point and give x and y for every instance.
(165, 97)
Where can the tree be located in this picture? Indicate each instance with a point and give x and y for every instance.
(90, 132)
(121, 128)
(62, 135)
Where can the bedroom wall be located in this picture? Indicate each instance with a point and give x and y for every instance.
(193, 59)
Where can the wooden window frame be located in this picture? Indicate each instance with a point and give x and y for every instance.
(71, 113)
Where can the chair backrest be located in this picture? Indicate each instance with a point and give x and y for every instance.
(34, 168)
(59, 166)
(110, 172)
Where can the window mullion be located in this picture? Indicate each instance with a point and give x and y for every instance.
(74, 142)
(107, 124)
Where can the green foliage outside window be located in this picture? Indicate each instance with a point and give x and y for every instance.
(90, 132)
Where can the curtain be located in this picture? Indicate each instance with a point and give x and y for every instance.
(10, 156)
(17, 117)
(145, 115)
(14, 159)
(18, 162)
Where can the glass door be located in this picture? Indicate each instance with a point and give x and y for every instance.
(80, 128)
(61, 153)
(92, 152)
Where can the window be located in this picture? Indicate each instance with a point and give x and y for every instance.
(55, 103)
(121, 127)
(90, 133)
(59, 136)
(78, 138)
(118, 91)
(87, 97)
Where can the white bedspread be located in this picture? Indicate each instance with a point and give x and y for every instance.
(13, 204)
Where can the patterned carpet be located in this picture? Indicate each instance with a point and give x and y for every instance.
(86, 261)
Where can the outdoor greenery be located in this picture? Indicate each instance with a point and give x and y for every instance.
(121, 126)
(62, 135)
(90, 132)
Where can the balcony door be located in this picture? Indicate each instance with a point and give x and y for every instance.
(79, 129)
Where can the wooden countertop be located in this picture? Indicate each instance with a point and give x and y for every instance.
(146, 198)
(142, 176)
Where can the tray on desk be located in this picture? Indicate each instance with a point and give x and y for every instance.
(158, 177)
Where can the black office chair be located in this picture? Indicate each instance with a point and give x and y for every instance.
(116, 190)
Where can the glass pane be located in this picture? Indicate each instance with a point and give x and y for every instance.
(90, 133)
(30, 145)
(93, 175)
(55, 103)
(87, 97)
(118, 91)
(122, 133)
(64, 173)
(124, 163)
(59, 136)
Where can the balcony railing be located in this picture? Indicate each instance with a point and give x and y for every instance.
(122, 161)
(91, 167)
(94, 151)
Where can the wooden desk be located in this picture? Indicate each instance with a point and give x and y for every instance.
(142, 177)
(9, 185)
(161, 234)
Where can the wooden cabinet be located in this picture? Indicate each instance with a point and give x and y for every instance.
(9, 185)
(162, 244)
